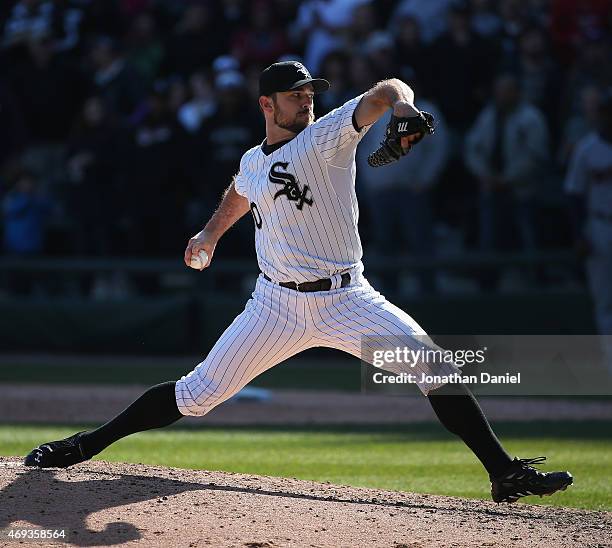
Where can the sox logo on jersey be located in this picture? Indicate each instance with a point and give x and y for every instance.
(291, 186)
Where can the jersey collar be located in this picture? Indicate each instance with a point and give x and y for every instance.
(269, 149)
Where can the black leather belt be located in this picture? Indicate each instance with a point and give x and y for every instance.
(320, 285)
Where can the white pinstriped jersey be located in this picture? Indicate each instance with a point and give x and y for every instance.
(303, 200)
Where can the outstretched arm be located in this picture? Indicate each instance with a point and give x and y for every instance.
(233, 207)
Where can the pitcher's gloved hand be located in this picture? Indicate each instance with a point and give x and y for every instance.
(391, 148)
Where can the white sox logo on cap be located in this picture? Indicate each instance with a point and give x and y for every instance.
(302, 70)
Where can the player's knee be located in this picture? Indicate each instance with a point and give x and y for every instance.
(197, 400)
(192, 407)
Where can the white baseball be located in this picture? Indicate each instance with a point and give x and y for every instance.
(199, 260)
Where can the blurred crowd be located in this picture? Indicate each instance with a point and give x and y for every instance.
(122, 121)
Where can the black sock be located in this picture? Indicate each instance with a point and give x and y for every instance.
(154, 409)
(460, 413)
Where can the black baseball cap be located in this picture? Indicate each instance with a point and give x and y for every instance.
(288, 75)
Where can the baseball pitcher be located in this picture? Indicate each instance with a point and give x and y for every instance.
(299, 187)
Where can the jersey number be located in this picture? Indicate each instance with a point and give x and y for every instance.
(256, 215)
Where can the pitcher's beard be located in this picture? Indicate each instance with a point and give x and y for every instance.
(299, 123)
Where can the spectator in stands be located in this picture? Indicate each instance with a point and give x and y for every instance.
(334, 70)
(462, 65)
(506, 151)
(362, 75)
(201, 104)
(93, 154)
(155, 178)
(232, 129)
(514, 15)
(399, 197)
(539, 76)
(115, 81)
(411, 54)
(580, 123)
(592, 66)
(379, 50)
(364, 22)
(431, 15)
(588, 182)
(25, 211)
(199, 37)
(320, 25)
(145, 49)
(262, 41)
(48, 115)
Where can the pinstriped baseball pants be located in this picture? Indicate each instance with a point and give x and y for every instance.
(278, 323)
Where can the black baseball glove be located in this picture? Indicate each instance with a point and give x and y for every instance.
(391, 148)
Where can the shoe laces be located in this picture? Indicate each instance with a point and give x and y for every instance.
(530, 462)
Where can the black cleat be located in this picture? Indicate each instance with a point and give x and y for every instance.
(57, 454)
(521, 480)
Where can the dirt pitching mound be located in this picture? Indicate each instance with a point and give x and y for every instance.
(110, 504)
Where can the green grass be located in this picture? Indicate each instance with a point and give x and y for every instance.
(419, 458)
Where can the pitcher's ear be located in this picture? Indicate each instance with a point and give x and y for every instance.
(265, 103)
